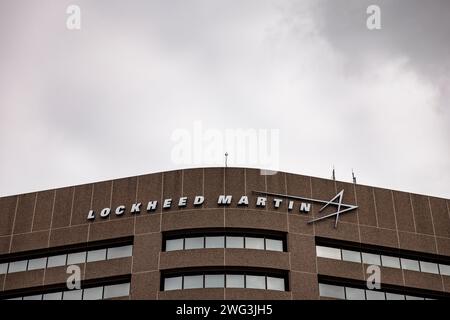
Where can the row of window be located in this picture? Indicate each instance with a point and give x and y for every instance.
(66, 259)
(95, 293)
(259, 243)
(382, 260)
(224, 281)
(350, 293)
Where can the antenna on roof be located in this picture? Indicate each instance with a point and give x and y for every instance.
(353, 177)
(226, 158)
(333, 176)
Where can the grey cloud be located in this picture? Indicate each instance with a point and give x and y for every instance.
(416, 29)
(103, 102)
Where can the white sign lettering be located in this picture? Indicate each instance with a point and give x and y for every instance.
(304, 206)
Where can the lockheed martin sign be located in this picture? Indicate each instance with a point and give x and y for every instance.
(226, 200)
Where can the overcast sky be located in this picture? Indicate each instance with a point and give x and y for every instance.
(103, 102)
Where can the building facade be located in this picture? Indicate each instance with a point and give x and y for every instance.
(224, 233)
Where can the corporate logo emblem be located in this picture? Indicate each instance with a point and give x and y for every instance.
(261, 201)
(340, 207)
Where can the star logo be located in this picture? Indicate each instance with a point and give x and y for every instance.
(341, 208)
(336, 202)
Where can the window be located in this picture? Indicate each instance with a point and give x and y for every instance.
(355, 294)
(219, 280)
(254, 243)
(370, 258)
(57, 261)
(275, 284)
(444, 269)
(96, 255)
(93, 293)
(330, 291)
(35, 264)
(235, 281)
(193, 282)
(175, 244)
(235, 242)
(214, 281)
(73, 295)
(382, 260)
(220, 240)
(75, 258)
(274, 245)
(429, 267)
(337, 291)
(34, 297)
(116, 290)
(52, 296)
(326, 252)
(173, 283)
(413, 298)
(409, 264)
(120, 252)
(352, 256)
(194, 243)
(375, 295)
(215, 242)
(18, 266)
(391, 262)
(255, 282)
(394, 296)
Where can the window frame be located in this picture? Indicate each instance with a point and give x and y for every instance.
(195, 237)
(320, 247)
